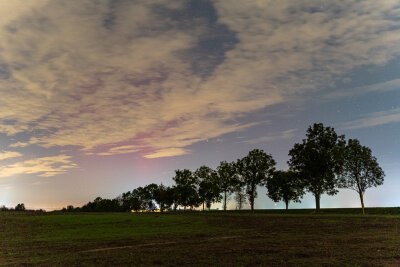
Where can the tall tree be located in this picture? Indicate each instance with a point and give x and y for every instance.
(240, 197)
(318, 160)
(240, 193)
(227, 180)
(208, 187)
(142, 198)
(284, 186)
(163, 196)
(255, 169)
(173, 192)
(186, 188)
(360, 169)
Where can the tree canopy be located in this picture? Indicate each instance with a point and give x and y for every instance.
(318, 160)
(209, 191)
(227, 180)
(284, 186)
(186, 188)
(360, 169)
(255, 169)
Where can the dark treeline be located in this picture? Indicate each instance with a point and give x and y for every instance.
(19, 207)
(321, 164)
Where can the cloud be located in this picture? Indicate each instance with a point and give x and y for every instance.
(265, 139)
(374, 119)
(40, 182)
(120, 150)
(167, 152)
(307, 45)
(44, 167)
(18, 144)
(386, 86)
(9, 154)
(122, 77)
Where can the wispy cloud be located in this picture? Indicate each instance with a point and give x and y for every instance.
(9, 154)
(373, 119)
(40, 182)
(167, 152)
(265, 139)
(18, 144)
(119, 150)
(44, 167)
(121, 76)
(386, 86)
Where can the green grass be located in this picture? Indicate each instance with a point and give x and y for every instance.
(266, 237)
(337, 211)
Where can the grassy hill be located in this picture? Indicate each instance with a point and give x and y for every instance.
(268, 237)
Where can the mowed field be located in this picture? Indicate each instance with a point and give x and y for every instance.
(299, 238)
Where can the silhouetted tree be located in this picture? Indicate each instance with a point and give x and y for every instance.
(284, 186)
(4, 208)
(142, 197)
(227, 180)
(240, 197)
(186, 188)
(126, 201)
(173, 191)
(208, 187)
(20, 207)
(240, 192)
(360, 169)
(163, 196)
(318, 160)
(255, 169)
(135, 203)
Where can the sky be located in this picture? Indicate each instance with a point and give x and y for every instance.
(100, 97)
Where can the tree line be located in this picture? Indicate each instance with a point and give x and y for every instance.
(321, 164)
(19, 207)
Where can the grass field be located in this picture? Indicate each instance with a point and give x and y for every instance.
(335, 238)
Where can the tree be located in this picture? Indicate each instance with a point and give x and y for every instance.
(186, 188)
(360, 169)
(143, 197)
(208, 188)
(318, 160)
(227, 179)
(163, 196)
(240, 197)
(284, 186)
(20, 207)
(4, 208)
(255, 169)
(173, 191)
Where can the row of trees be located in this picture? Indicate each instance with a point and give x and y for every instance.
(19, 207)
(321, 164)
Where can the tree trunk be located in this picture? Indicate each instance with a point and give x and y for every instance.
(362, 202)
(317, 199)
(287, 204)
(203, 205)
(253, 190)
(225, 200)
